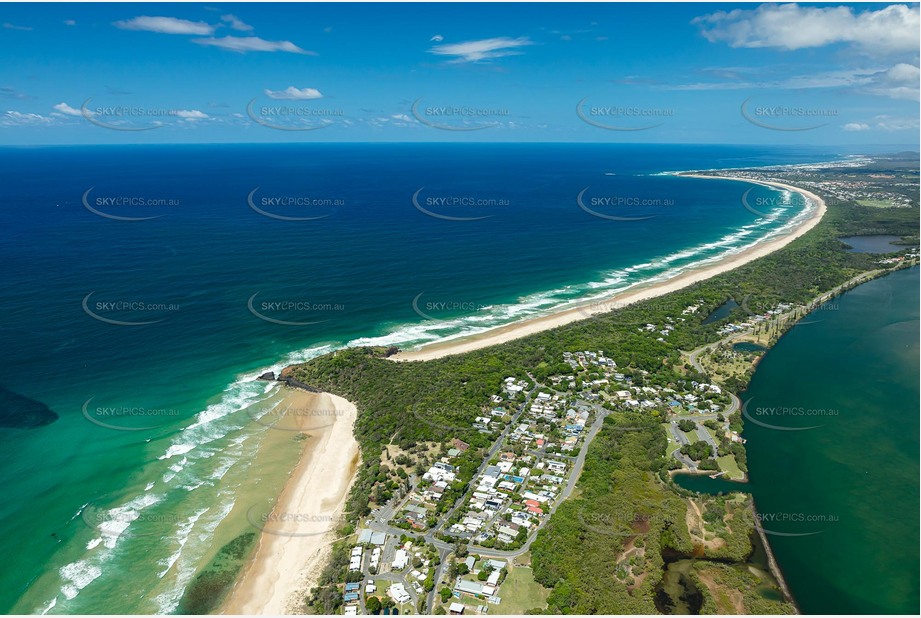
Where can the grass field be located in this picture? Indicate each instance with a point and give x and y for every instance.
(875, 203)
(672, 445)
(728, 465)
(519, 593)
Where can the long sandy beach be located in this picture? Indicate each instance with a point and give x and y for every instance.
(641, 292)
(295, 542)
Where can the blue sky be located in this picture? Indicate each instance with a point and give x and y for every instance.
(669, 73)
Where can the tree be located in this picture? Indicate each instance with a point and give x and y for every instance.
(445, 594)
(709, 464)
(686, 425)
(697, 451)
(373, 604)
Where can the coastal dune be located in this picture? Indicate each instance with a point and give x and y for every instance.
(640, 292)
(296, 539)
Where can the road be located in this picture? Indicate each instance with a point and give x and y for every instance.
(707, 437)
(579, 463)
(380, 522)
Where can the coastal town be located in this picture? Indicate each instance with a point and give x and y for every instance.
(454, 537)
(450, 539)
(873, 182)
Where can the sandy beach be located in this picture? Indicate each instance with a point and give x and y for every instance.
(295, 541)
(641, 292)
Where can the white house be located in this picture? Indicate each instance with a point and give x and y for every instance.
(398, 593)
(400, 560)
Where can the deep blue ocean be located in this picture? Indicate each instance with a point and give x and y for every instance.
(145, 287)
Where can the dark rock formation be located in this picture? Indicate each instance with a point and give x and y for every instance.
(21, 412)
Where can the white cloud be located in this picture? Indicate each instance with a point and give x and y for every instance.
(234, 22)
(888, 123)
(190, 114)
(70, 22)
(901, 81)
(884, 122)
(402, 118)
(66, 109)
(294, 93)
(252, 43)
(437, 38)
(10, 26)
(484, 49)
(18, 119)
(790, 26)
(165, 25)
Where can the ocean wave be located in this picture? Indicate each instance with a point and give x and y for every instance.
(181, 537)
(79, 575)
(168, 601)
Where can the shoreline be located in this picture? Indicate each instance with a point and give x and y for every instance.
(530, 326)
(294, 544)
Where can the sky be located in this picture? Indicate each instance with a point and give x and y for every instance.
(821, 74)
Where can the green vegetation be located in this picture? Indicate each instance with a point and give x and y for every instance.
(581, 549)
(698, 451)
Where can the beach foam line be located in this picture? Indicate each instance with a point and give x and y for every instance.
(168, 601)
(731, 257)
(552, 301)
(181, 537)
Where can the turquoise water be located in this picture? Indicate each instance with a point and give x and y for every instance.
(109, 520)
(840, 501)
